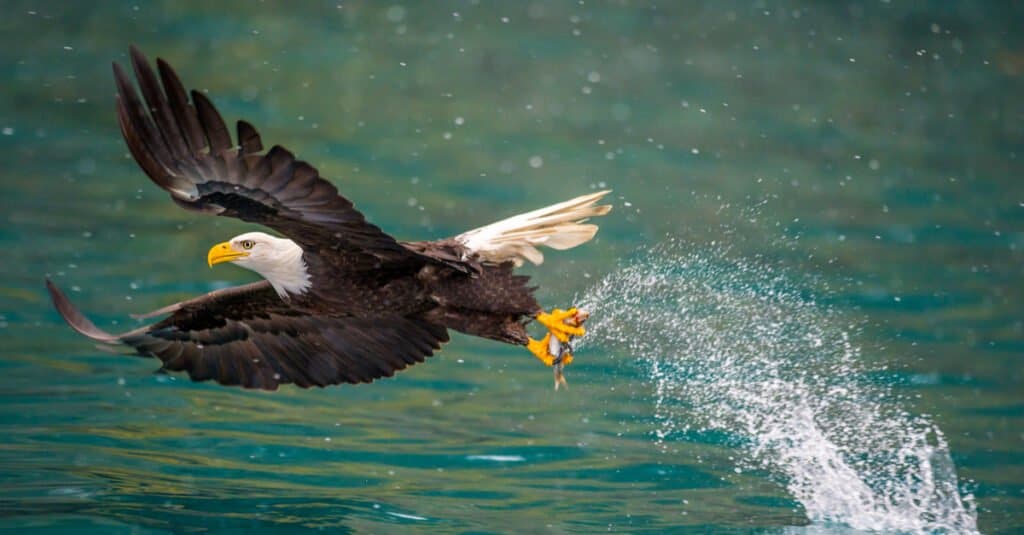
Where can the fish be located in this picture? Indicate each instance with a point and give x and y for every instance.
(562, 351)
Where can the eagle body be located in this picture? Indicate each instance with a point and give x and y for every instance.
(489, 300)
(341, 300)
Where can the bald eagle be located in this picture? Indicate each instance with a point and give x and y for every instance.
(340, 301)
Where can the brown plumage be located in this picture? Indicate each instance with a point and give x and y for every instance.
(374, 305)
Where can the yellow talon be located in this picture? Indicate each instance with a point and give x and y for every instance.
(562, 314)
(553, 349)
(547, 320)
(539, 348)
(557, 324)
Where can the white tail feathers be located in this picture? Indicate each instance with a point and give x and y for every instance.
(559, 226)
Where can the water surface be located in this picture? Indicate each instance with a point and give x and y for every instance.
(863, 158)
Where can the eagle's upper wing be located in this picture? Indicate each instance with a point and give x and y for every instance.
(247, 336)
(186, 148)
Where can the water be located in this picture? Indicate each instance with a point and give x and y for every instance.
(733, 347)
(828, 196)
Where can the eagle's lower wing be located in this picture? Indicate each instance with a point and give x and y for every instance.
(247, 336)
(186, 149)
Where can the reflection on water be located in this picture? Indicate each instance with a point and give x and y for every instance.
(870, 149)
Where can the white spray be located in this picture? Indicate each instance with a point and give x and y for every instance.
(732, 346)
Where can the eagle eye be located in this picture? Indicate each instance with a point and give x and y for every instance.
(247, 244)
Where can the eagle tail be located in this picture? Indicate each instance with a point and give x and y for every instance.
(559, 226)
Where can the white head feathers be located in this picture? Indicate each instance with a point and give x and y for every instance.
(277, 259)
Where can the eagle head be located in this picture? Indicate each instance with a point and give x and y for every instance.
(278, 260)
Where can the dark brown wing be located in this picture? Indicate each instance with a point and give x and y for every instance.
(248, 336)
(186, 149)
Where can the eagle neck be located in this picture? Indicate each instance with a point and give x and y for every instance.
(288, 274)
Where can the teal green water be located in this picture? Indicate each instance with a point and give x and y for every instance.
(867, 155)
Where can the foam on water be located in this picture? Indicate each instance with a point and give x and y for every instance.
(497, 458)
(733, 346)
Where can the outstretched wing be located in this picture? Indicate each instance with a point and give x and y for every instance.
(186, 149)
(247, 336)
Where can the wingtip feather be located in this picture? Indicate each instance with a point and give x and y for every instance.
(74, 318)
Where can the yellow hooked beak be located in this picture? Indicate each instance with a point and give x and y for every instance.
(223, 252)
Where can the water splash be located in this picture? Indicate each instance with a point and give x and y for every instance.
(731, 345)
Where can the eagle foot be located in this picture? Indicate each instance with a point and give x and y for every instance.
(564, 324)
(542, 350)
(555, 349)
